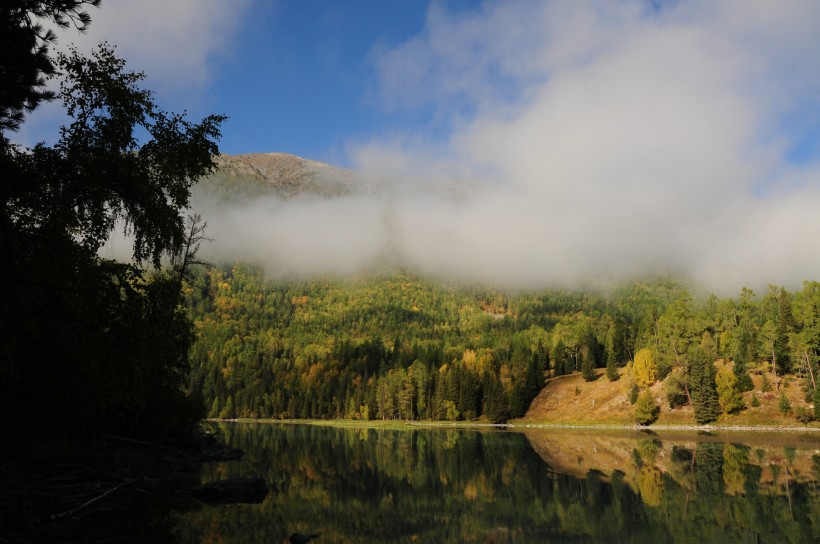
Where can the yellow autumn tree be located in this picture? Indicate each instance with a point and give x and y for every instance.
(643, 369)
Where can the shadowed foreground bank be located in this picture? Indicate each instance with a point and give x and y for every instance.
(111, 490)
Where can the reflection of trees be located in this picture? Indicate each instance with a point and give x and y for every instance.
(374, 485)
(650, 485)
(735, 463)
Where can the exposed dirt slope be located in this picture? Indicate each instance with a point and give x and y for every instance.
(571, 400)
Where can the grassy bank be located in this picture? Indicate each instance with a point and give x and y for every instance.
(572, 401)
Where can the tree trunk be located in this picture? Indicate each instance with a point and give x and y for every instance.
(808, 365)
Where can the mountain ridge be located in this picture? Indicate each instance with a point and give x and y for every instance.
(283, 175)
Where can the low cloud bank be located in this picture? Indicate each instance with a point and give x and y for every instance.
(605, 141)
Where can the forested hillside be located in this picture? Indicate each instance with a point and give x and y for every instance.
(399, 346)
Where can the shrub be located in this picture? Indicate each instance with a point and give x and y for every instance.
(646, 409)
(784, 405)
(755, 401)
(675, 388)
(633, 394)
(803, 414)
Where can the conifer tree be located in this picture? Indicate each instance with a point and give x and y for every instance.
(703, 388)
(816, 400)
(559, 357)
(784, 405)
(741, 372)
(611, 358)
(588, 365)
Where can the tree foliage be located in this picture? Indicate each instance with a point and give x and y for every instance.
(646, 409)
(705, 399)
(103, 343)
(643, 369)
(25, 63)
(730, 398)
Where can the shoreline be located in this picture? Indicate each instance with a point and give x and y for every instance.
(517, 426)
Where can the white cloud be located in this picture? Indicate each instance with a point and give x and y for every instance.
(608, 139)
(299, 237)
(616, 138)
(177, 44)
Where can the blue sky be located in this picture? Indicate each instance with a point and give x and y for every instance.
(309, 77)
(601, 139)
(301, 78)
(292, 76)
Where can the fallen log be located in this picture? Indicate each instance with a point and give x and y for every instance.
(86, 504)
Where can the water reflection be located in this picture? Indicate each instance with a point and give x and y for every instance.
(439, 486)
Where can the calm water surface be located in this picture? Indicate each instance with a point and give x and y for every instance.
(441, 486)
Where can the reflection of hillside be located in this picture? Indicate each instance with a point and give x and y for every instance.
(777, 465)
(448, 486)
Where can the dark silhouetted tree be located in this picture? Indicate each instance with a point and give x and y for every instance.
(103, 343)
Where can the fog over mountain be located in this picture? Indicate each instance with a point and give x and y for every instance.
(571, 142)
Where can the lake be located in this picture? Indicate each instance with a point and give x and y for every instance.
(435, 485)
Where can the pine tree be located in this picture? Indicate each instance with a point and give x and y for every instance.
(633, 394)
(744, 381)
(705, 399)
(785, 325)
(816, 400)
(784, 405)
(611, 358)
(559, 357)
(495, 401)
(588, 365)
(766, 384)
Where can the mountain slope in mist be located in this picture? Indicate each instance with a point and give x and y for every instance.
(303, 218)
(279, 175)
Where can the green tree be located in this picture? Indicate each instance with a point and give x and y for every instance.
(784, 405)
(646, 409)
(705, 399)
(496, 407)
(676, 330)
(777, 328)
(730, 399)
(741, 373)
(560, 358)
(611, 364)
(805, 342)
(675, 387)
(633, 393)
(588, 365)
(816, 401)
